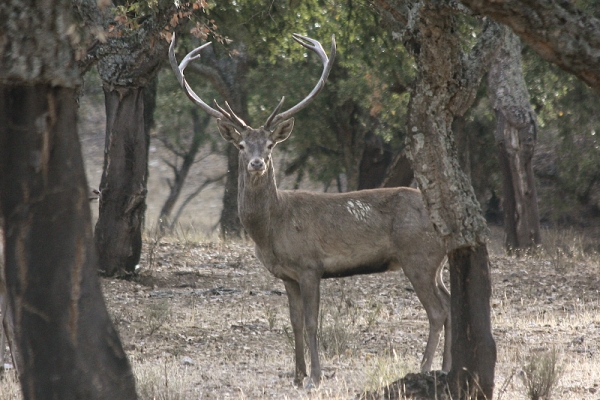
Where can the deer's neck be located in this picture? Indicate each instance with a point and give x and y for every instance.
(257, 202)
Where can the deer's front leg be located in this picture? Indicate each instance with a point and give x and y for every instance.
(297, 318)
(310, 289)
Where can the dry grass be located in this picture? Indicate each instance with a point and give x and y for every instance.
(204, 320)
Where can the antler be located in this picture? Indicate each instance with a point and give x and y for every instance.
(315, 46)
(178, 69)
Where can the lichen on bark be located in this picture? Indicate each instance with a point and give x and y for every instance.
(36, 47)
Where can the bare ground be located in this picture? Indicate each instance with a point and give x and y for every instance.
(206, 320)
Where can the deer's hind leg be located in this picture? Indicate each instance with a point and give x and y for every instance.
(297, 319)
(436, 301)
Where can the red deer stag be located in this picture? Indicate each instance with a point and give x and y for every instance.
(303, 237)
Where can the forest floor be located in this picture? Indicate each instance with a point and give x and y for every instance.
(204, 320)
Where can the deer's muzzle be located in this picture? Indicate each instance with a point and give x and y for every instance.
(257, 166)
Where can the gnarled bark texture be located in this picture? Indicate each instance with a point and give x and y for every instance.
(446, 85)
(444, 89)
(516, 132)
(557, 30)
(64, 334)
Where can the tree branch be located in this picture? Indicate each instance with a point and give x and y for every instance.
(557, 30)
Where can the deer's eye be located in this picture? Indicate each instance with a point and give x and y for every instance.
(241, 146)
(270, 146)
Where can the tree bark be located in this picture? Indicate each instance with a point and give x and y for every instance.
(516, 132)
(557, 30)
(68, 345)
(436, 99)
(128, 62)
(64, 334)
(471, 290)
(123, 190)
(447, 80)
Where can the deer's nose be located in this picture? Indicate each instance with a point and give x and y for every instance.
(256, 164)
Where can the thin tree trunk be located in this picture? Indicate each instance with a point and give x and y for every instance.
(231, 226)
(63, 331)
(516, 132)
(399, 172)
(123, 190)
(182, 172)
(228, 75)
(191, 196)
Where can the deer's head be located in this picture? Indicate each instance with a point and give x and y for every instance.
(255, 145)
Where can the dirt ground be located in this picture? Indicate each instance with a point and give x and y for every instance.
(204, 320)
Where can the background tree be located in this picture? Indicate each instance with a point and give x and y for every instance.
(69, 346)
(134, 48)
(516, 135)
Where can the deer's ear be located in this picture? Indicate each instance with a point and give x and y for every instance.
(283, 130)
(229, 132)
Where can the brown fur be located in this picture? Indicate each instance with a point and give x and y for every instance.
(302, 237)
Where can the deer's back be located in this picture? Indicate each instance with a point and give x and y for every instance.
(349, 233)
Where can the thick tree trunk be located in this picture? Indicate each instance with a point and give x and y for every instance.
(445, 88)
(64, 333)
(516, 132)
(123, 190)
(471, 290)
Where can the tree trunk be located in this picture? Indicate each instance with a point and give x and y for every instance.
(473, 370)
(376, 159)
(399, 172)
(516, 132)
(65, 336)
(351, 138)
(182, 172)
(228, 75)
(446, 86)
(123, 190)
(231, 226)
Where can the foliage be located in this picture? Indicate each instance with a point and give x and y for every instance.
(568, 162)
(372, 73)
(370, 70)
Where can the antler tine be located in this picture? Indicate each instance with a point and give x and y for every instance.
(315, 46)
(230, 115)
(275, 111)
(178, 69)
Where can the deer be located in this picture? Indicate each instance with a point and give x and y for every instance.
(302, 237)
